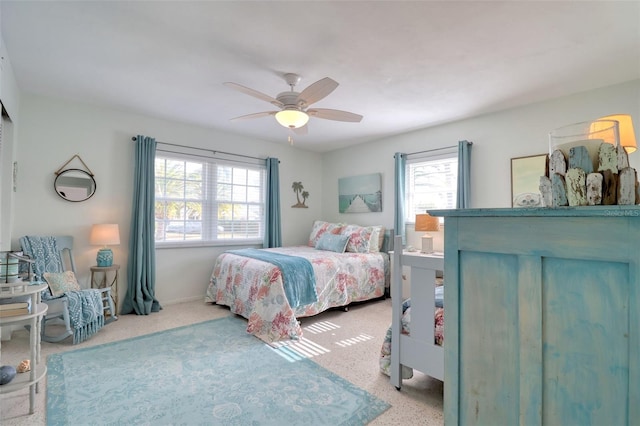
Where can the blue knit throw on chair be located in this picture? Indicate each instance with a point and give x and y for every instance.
(86, 312)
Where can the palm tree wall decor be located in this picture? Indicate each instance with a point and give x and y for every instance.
(300, 192)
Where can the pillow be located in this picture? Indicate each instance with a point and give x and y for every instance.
(320, 227)
(60, 283)
(362, 239)
(332, 242)
(376, 239)
(439, 296)
(381, 237)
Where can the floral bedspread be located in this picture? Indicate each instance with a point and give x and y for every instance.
(254, 289)
(385, 351)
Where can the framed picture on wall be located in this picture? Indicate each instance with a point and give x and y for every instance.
(525, 180)
(360, 194)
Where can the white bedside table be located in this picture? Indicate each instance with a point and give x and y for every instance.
(99, 279)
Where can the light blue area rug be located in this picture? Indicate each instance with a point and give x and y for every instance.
(212, 373)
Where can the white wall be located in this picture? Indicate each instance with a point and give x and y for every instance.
(496, 139)
(10, 98)
(52, 131)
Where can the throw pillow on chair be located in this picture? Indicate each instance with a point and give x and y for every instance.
(61, 282)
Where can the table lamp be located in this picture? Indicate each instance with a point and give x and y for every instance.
(104, 235)
(427, 223)
(625, 129)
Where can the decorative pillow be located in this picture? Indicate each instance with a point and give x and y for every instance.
(362, 239)
(377, 237)
(60, 283)
(381, 230)
(320, 227)
(333, 242)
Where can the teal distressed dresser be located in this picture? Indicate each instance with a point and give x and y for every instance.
(542, 316)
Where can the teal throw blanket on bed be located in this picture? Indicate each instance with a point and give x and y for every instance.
(297, 274)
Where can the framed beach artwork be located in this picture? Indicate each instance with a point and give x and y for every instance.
(525, 180)
(360, 194)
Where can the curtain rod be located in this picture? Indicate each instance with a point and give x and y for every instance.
(134, 138)
(431, 150)
(210, 157)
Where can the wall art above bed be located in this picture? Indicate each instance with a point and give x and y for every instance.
(360, 194)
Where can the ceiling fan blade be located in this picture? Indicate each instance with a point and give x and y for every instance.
(334, 114)
(304, 130)
(254, 93)
(254, 115)
(317, 91)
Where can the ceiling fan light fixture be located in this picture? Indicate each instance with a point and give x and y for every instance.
(292, 118)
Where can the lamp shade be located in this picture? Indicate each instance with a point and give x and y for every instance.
(626, 135)
(292, 118)
(427, 223)
(105, 234)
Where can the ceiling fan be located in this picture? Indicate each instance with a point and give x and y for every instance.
(294, 111)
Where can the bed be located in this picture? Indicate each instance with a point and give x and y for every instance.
(349, 264)
(418, 321)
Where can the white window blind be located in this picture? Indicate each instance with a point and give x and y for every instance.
(431, 183)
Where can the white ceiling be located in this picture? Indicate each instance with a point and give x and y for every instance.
(402, 65)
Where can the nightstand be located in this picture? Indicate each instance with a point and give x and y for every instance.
(100, 279)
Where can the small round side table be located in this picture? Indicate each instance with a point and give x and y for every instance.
(99, 279)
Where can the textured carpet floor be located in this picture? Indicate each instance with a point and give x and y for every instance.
(351, 349)
(207, 373)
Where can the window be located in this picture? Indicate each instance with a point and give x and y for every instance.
(201, 200)
(431, 183)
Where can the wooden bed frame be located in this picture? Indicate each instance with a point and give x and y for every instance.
(417, 350)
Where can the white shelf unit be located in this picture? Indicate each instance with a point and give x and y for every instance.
(33, 319)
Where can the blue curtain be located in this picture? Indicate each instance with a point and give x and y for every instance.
(141, 267)
(272, 232)
(400, 163)
(464, 174)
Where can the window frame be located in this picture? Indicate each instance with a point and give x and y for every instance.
(210, 201)
(425, 158)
